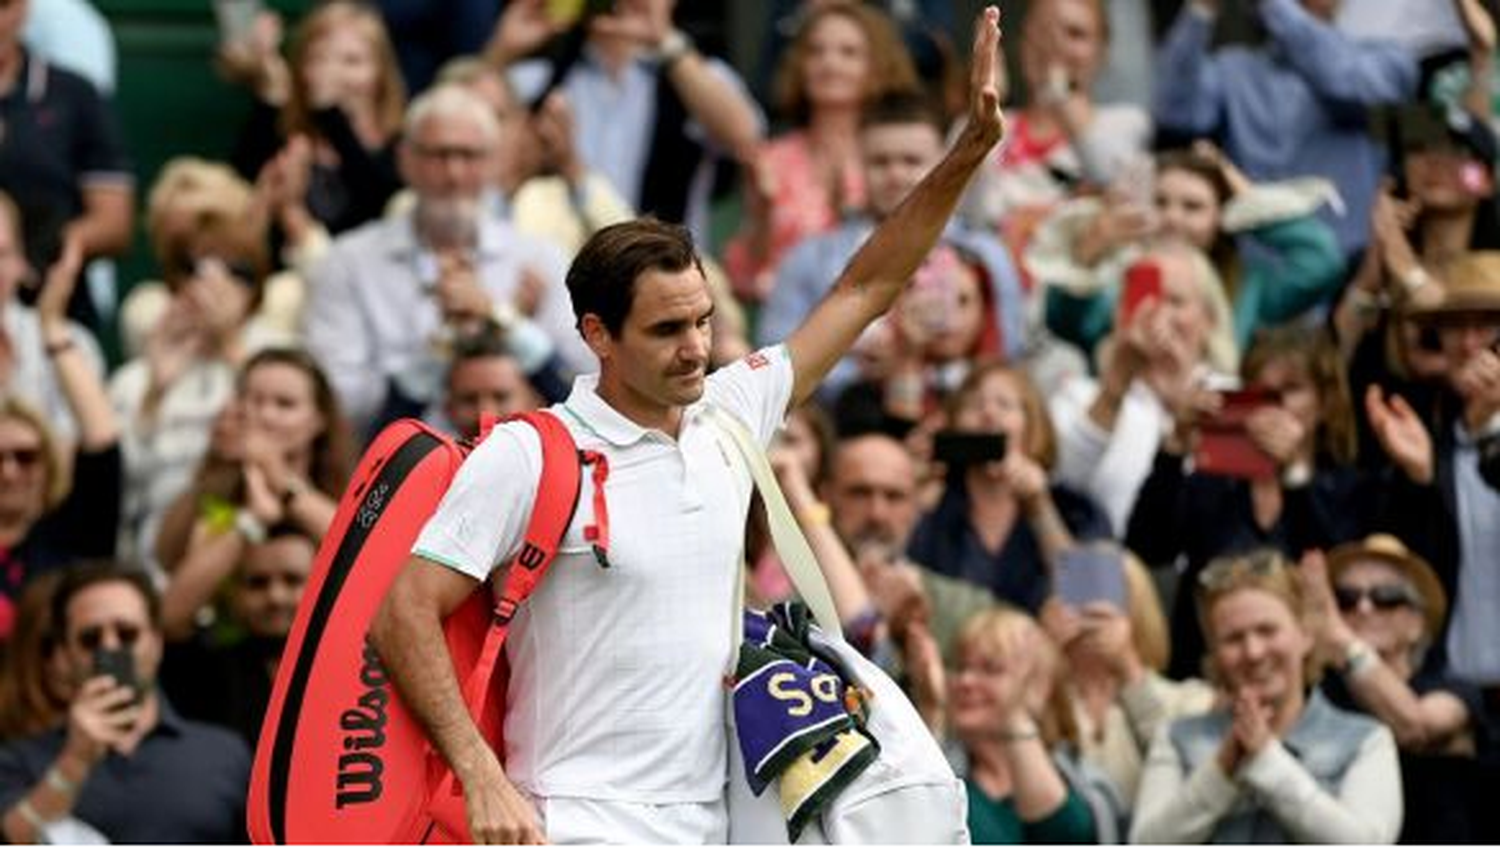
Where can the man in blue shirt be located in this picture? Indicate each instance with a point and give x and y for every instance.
(126, 765)
(1294, 106)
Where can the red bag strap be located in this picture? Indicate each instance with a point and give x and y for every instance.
(556, 501)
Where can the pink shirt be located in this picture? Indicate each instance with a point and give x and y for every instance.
(801, 206)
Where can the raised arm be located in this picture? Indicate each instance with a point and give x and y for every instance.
(711, 94)
(878, 273)
(81, 381)
(1189, 90)
(1335, 65)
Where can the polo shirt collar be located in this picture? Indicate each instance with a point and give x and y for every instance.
(31, 79)
(586, 407)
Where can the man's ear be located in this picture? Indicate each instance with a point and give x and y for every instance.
(596, 336)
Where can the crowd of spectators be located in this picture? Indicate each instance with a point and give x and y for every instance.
(1170, 489)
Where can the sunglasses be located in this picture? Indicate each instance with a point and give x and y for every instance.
(91, 637)
(22, 457)
(1384, 597)
(1228, 570)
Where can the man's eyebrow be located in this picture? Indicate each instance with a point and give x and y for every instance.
(674, 323)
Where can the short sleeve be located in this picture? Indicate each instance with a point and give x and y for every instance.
(756, 389)
(482, 517)
(100, 154)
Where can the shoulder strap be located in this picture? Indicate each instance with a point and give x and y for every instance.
(556, 501)
(796, 555)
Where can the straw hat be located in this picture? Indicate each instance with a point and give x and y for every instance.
(1470, 285)
(1388, 549)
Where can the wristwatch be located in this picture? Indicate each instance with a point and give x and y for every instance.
(1358, 658)
(676, 45)
(250, 527)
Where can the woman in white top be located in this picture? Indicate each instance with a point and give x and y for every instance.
(1109, 429)
(1277, 763)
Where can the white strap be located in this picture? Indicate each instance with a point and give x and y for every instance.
(796, 556)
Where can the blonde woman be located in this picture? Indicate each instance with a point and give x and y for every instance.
(1277, 763)
(332, 139)
(1011, 736)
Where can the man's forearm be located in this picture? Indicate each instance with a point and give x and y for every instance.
(409, 638)
(104, 227)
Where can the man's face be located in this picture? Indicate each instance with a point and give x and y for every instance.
(447, 159)
(872, 492)
(489, 384)
(271, 581)
(660, 358)
(111, 615)
(896, 157)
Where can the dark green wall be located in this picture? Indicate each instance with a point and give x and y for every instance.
(169, 97)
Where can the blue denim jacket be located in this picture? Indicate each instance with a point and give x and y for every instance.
(1324, 740)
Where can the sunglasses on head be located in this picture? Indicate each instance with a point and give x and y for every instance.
(1384, 597)
(91, 637)
(1228, 569)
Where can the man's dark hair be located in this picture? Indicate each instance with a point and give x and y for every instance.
(903, 107)
(603, 276)
(90, 573)
(485, 342)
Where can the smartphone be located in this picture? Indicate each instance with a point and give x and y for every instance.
(1143, 282)
(1225, 448)
(236, 19)
(1092, 574)
(960, 449)
(118, 663)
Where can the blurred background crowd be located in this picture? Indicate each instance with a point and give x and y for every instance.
(1170, 489)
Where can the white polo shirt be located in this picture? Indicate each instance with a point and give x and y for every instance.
(616, 686)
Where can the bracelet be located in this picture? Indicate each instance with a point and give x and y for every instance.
(815, 514)
(29, 814)
(1415, 279)
(1364, 302)
(1023, 735)
(1358, 659)
(57, 780)
(676, 45)
(60, 346)
(252, 528)
(1296, 475)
